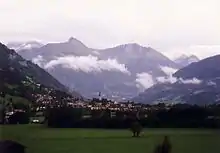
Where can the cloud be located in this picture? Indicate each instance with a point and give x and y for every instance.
(87, 64)
(144, 80)
(190, 81)
(162, 24)
(168, 79)
(172, 80)
(39, 61)
(211, 83)
(168, 70)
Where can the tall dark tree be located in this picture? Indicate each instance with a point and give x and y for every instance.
(136, 129)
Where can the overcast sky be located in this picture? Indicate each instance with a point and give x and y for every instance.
(170, 26)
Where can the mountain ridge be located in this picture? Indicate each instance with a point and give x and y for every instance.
(26, 71)
(103, 70)
(185, 60)
(191, 85)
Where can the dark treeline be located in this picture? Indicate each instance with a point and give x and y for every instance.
(177, 116)
(19, 118)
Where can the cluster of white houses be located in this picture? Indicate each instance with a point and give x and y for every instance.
(94, 104)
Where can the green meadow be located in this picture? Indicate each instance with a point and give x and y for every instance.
(39, 139)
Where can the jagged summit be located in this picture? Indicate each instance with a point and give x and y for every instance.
(72, 39)
(197, 83)
(73, 59)
(185, 60)
(76, 42)
(17, 46)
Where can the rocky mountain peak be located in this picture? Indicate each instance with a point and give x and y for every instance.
(185, 60)
(75, 42)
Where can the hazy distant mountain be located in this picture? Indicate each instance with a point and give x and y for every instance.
(118, 72)
(17, 46)
(52, 50)
(205, 69)
(198, 83)
(16, 72)
(139, 59)
(185, 60)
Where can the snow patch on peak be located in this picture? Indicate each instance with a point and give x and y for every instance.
(18, 46)
(185, 60)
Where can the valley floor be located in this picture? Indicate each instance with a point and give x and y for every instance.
(40, 139)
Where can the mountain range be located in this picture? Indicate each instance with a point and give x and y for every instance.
(123, 71)
(119, 72)
(24, 45)
(198, 83)
(22, 78)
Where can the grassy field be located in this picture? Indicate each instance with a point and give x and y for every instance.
(39, 139)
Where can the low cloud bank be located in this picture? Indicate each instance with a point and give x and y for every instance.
(170, 79)
(168, 70)
(169, 75)
(39, 61)
(91, 63)
(167, 79)
(87, 64)
(190, 81)
(144, 80)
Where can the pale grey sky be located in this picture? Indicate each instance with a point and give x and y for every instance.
(170, 26)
